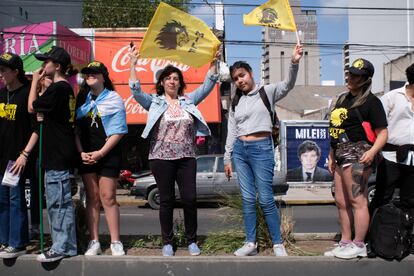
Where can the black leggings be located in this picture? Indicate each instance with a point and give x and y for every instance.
(166, 173)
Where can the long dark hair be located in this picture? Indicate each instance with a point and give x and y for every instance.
(237, 65)
(361, 98)
(67, 70)
(168, 70)
(21, 77)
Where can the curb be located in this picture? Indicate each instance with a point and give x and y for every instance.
(207, 266)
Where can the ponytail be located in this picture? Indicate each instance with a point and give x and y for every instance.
(70, 70)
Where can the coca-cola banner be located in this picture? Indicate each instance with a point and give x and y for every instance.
(111, 48)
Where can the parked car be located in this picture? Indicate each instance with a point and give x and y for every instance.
(211, 183)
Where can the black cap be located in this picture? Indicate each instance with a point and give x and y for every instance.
(95, 67)
(12, 61)
(362, 67)
(57, 54)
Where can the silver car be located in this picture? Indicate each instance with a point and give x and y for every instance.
(211, 183)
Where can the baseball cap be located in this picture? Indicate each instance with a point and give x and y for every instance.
(95, 67)
(57, 54)
(362, 67)
(12, 61)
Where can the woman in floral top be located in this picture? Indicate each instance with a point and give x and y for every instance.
(174, 121)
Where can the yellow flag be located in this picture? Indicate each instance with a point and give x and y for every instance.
(179, 36)
(274, 14)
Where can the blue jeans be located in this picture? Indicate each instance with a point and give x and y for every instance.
(254, 163)
(61, 212)
(13, 215)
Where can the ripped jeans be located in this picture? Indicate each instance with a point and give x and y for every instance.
(61, 212)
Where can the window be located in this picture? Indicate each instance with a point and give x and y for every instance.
(205, 164)
(220, 165)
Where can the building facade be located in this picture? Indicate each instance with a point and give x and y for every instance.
(380, 35)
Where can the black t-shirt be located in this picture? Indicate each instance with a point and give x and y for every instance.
(345, 119)
(16, 124)
(58, 106)
(93, 136)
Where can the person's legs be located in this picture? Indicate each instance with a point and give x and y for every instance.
(387, 179)
(261, 159)
(407, 187)
(19, 226)
(342, 201)
(4, 213)
(355, 179)
(164, 172)
(245, 176)
(107, 190)
(93, 204)
(61, 212)
(186, 180)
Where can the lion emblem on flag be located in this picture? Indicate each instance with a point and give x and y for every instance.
(172, 35)
(269, 16)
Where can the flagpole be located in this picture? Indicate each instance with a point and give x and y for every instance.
(297, 38)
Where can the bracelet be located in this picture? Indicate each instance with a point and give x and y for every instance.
(25, 153)
(24, 156)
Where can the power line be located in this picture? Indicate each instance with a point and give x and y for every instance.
(204, 3)
(128, 38)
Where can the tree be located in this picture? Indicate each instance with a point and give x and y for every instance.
(123, 13)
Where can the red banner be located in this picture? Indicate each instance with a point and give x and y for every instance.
(111, 48)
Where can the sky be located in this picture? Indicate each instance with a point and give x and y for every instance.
(332, 28)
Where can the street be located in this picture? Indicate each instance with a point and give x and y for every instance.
(144, 221)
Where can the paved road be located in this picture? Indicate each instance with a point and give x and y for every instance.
(143, 221)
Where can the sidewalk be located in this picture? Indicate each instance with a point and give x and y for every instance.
(296, 195)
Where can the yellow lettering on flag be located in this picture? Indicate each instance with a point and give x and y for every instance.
(179, 36)
(274, 14)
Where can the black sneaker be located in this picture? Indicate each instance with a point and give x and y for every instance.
(2, 247)
(11, 252)
(49, 256)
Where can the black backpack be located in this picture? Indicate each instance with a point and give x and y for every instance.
(390, 232)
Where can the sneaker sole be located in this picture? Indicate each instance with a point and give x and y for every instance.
(352, 257)
(195, 254)
(94, 254)
(51, 260)
(250, 254)
(11, 255)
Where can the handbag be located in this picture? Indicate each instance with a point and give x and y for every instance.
(371, 136)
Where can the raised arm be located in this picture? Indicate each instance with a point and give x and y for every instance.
(198, 95)
(279, 90)
(142, 98)
(37, 75)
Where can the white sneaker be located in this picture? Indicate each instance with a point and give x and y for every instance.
(117, 248)
(351, 251)
(94, 248)
(248, 249)
(279, 250)
(332, 252)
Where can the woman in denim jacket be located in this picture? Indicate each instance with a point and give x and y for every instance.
(174, 121)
